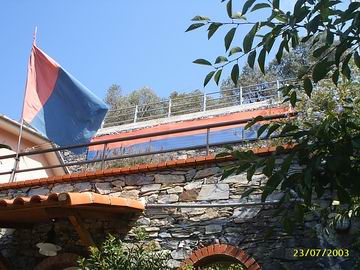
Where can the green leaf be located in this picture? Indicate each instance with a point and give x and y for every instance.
(235, 50)
(270, 186)
(308, 86)
(249, 38)
(345, 69)
(248, 192)
(247, 5)
(202, 62)
(229, 38)
(299, 212)
(208, 77)
(357, 59)
(221, 59)
(227, 172)
(288, 225)
(320, 51)
(269, 166)
(321, 69)
(340, 49)
(217, 76)
(251, 59)
(250, 172)
(280, 52)
(293, 98)
(194, 26)
(273, 128)
(288, 128)
(262, 129)
(213, 28)
(200, 18)
(276, 4)
(335, 76)
(254, 121)
(308, 177)
(313, 25)
(329, 37)
(260, 6)
(285, 166)
(235, 74)
(229, 8)
(261, 60)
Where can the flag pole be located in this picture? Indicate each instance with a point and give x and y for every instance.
(17, 159)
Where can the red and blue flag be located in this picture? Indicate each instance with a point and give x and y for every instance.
(58, 105)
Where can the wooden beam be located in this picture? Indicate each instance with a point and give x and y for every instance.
(84, 234)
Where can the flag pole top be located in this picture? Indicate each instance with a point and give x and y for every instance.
(35, 31)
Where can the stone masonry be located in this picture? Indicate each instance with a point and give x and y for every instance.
(177, 230)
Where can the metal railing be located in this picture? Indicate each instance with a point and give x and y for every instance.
(193, 103)
(105, 143)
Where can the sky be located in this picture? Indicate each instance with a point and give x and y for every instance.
(132, 43)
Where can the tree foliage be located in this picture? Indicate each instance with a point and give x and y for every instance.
(122, 107)
(325, 138)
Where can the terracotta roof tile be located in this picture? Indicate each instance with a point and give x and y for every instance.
(30, 210)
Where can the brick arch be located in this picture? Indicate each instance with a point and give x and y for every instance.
(214, 252)
(58, 262)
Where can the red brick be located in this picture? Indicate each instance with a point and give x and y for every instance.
(249, 262)
(255, 266)
(219, 249)
(242, 256)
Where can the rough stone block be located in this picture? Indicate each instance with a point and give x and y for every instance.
(138, 179)
(193, 185)
(130, 194)
(62, 188)
(189, 195)
(213, 228)
(38, 191)
(169, 178)
(168, 198)
(176, 189)
(118, 183)
(242, 214)
(179, 254)
(214, 192)
(150, 187)
(80, 187)
(207, 172)
(143, 221)
(103, 188)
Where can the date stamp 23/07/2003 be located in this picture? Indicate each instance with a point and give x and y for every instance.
(319, 252)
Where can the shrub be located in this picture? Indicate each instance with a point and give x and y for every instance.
(117, 255)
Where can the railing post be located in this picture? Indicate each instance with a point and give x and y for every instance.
(136, 113)
(103, 157)
(204, 102)
(241, 95)
(278, 87)
(207, 141)
(169, 109)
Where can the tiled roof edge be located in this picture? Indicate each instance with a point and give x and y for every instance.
(141, 168)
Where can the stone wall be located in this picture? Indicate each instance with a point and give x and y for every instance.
(178, 230)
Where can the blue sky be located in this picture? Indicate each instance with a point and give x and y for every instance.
(130, 43)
